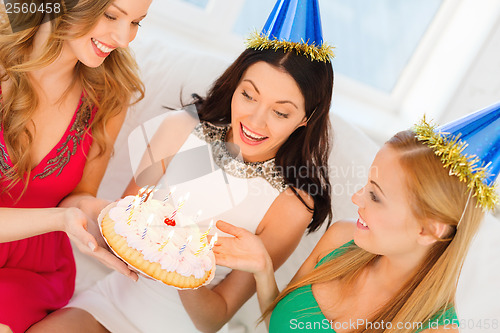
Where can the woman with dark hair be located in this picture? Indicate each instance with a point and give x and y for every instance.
(315, 82)
(265, 122)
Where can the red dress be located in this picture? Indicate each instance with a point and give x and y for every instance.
(37, 274)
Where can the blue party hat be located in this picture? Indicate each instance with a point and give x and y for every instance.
(294, 25)
(470, 148)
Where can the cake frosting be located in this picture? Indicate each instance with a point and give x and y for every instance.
(159, 241)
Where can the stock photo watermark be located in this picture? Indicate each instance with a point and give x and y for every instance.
(26, 14)
(472, 324)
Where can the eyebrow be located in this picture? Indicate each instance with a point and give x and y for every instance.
(124, 12)
(371, 181)
(279, 102)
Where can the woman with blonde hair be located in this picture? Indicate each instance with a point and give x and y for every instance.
(234, 151)
(65, 84)
(396, 268)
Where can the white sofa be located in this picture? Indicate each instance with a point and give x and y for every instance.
(168, 71)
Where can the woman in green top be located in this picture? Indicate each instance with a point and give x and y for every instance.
(396, 268)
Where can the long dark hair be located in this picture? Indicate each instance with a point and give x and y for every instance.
(307, 149)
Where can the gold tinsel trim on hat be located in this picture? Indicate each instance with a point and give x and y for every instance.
(467, 168)
(314, 52)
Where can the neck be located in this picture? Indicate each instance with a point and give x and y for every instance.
(395, 270)
(60, 70)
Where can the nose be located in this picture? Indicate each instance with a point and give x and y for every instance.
(122, 35)
(258, 117)
(357, 198)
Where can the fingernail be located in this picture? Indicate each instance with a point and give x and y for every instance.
(92, 246)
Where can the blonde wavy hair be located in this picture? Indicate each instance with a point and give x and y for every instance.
(436, 195)
(108, 87)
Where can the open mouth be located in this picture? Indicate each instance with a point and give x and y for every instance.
(101, 49)
(251, 137)
(361, 224)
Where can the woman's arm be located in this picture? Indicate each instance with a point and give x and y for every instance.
(165, 143)
(20, 223)
(84, 197)
(280, 232)
(246, 252)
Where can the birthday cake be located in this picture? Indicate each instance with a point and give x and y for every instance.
(156, 240)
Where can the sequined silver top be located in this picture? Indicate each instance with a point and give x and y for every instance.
(216, 136)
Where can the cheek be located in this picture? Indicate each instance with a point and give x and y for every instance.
(234, 108)
(240, 109)
(133, 33)
(281, 129)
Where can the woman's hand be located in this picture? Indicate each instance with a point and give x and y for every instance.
(92, 206)
(75, 226)
(245, 251)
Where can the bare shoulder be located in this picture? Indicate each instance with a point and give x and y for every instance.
(290, 197)
(337, 235)
(174, 129)
(177, 119)
(287, 207)
(340, 232)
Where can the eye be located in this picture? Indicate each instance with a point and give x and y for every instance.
(247, 96)
(109, 17)
(373, 197)
(281, 114)
(138, 24)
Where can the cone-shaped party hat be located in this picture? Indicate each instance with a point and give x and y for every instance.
(294, 25)
(470, 148)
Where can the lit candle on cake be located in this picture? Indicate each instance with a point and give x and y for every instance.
(202, 238)
(150, 220)
(144, 193)
(136, 202)
(169, 237)
(169, 194)
(183, 247)
(208, 230)
(150, 193)
(212, 242)
(171, 220)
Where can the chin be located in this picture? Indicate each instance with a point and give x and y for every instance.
(92, 64)
(361, 242)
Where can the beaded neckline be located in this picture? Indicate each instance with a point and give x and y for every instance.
(216, 136)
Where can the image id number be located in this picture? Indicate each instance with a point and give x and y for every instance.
(32, 8)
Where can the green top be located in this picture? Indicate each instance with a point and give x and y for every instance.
(299, 311)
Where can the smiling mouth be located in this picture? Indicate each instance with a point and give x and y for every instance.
(103, 48)
(251, 135)
(361, 224)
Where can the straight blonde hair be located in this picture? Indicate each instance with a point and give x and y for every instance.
(433, 194)
(109, 87)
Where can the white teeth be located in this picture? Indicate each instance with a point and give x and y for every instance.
(362, 222)
(252, 136)
(101, 47)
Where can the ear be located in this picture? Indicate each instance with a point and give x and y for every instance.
(304, 122)
(430, 233)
